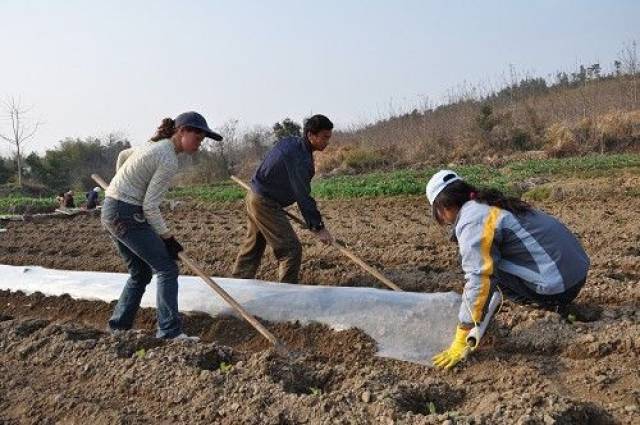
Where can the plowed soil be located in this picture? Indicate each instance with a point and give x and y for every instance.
(535, 367)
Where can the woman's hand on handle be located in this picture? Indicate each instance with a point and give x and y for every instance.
(173, 246)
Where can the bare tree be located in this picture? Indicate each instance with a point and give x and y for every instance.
(629, 57)
(22, 128)
(256, 141)
(230, 132)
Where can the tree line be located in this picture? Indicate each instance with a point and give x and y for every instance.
(71, 162)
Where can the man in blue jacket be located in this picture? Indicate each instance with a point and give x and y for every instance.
(283, 177)
(93, 198)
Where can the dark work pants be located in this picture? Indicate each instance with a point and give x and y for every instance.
(268, 224)
(517, 291)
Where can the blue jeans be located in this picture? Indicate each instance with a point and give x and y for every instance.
(144, 253)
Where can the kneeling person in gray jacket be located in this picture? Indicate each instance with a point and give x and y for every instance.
(504, 243)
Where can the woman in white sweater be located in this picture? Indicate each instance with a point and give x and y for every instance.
(131, 214)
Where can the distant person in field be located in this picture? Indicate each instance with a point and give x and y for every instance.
(284, 177)
(504, 244)
(68, 201)
(93, 197)
(131, 214)
(60, 200)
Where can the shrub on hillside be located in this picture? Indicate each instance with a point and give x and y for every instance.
(520, 139)
(560, 141)
(486, 120)
(350, 159)
(329, 159)
(468, 151)
(614, 132)
(364, 160)
(507, 136)
(619, 131)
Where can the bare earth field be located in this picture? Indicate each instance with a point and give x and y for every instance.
(536, 367)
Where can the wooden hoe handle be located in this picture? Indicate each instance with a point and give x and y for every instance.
(229, 299)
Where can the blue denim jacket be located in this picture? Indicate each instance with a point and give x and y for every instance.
(285, 177)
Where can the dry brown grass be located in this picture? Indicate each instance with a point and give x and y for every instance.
(617, 131)
(354, 159)
(599, 116)
(560, 141)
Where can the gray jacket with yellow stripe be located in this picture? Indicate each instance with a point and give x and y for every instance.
(535, 247)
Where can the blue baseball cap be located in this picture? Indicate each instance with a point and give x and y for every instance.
(195, 120)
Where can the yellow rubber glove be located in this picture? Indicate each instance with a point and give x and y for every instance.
(458, 350)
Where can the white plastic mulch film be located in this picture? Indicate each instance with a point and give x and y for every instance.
(406, 325)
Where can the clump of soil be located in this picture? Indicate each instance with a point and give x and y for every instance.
(428, 398)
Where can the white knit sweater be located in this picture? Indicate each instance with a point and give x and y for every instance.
(143, 176)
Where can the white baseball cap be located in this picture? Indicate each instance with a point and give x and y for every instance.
(96, 189)
(439, 181)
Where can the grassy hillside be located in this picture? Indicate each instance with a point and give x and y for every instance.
(597, 115)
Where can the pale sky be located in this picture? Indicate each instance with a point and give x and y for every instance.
(92, 67)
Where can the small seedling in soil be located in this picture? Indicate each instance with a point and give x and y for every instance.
(141, 353)
(225, 367)
(431, 408)
(315, 391)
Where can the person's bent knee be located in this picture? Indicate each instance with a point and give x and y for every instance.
(293, 251)
(296, 251)
(168, 273)
(142, 276)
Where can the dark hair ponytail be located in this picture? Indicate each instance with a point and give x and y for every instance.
(165, 131)
(459, 192)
